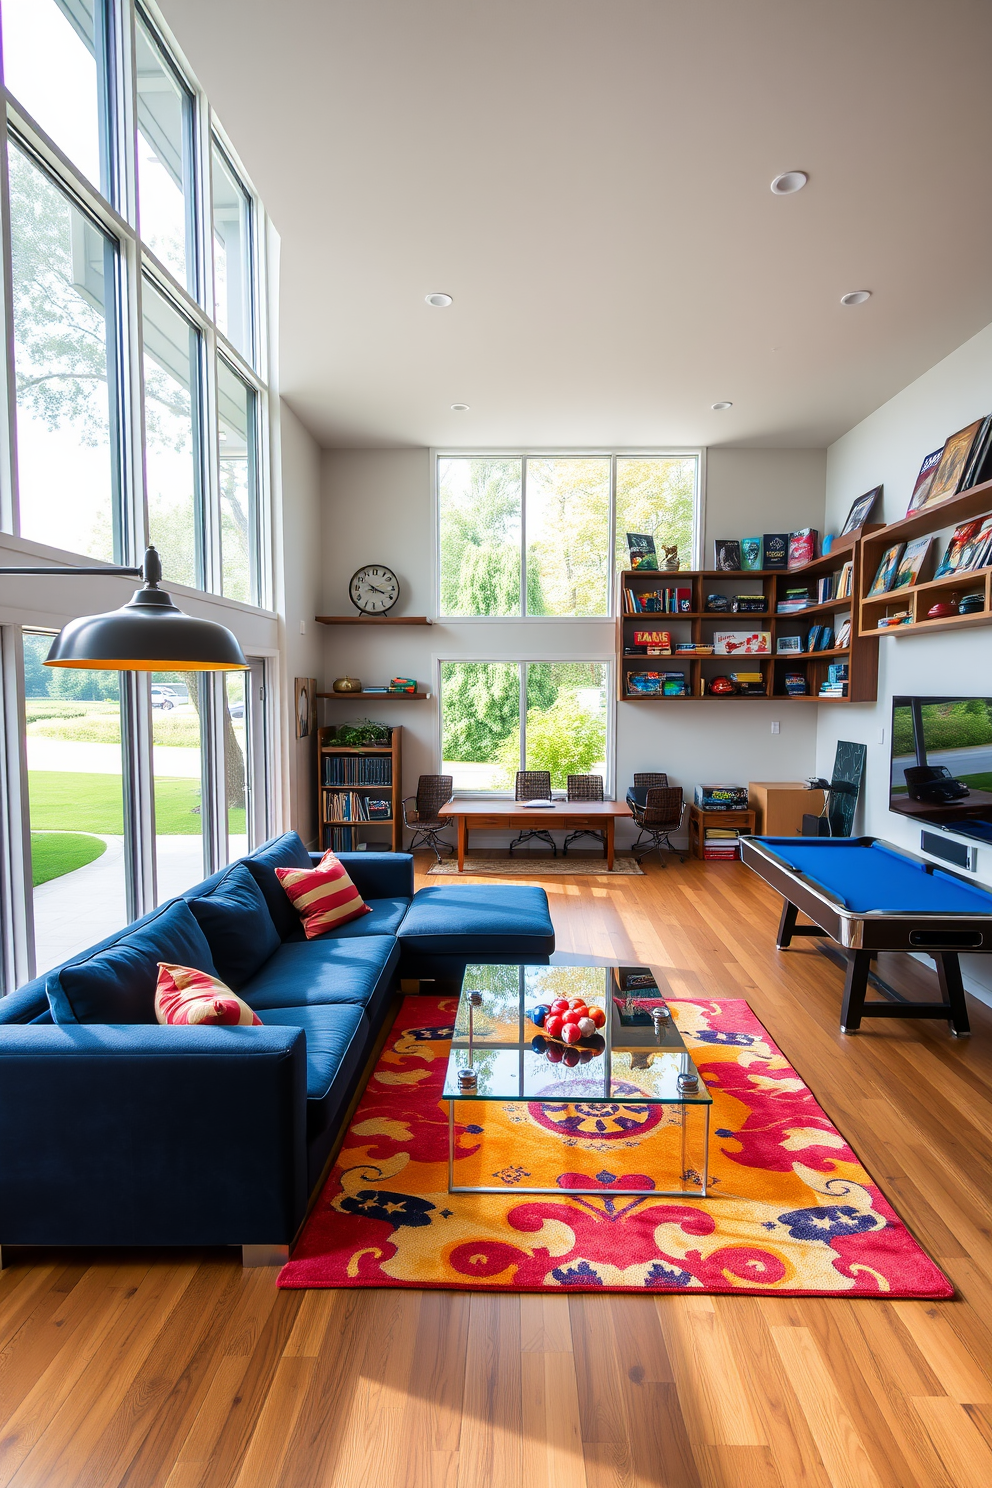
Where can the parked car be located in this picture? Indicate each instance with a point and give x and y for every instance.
(237, 710)
(164, 698)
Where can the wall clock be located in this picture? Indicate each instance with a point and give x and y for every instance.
(374, 589)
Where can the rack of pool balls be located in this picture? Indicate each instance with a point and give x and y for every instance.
(570, 1030)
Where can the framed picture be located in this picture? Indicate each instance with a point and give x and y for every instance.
(953, 460)
(886, 572)
(861, 510)
(912, 561)
(789, 645)
(306, 706)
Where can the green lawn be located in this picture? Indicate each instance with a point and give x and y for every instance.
(92, 803)
(55, 853)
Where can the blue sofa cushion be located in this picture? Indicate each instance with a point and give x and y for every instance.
(239, 929)
(336, 1042)
(475, 920)
(117, 984)
(287, 851)
(311, 973)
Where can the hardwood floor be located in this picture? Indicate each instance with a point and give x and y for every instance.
(182, 1371)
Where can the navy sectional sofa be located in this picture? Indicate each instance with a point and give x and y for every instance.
(115, 1130)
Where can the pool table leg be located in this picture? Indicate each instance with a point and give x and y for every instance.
(855, 987)
(952, 991)
(787, 927)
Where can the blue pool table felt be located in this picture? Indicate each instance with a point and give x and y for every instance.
(874, 879)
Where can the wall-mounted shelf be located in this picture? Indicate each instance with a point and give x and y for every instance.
(369, 620)
(376, 697)
(697, 624)
(918, 598)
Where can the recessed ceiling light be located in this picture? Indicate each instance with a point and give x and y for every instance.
(856, 297)
(719, 407)
(459, 408)
(789, 182)
(439, 301)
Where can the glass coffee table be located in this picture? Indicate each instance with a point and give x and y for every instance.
(500, 1055)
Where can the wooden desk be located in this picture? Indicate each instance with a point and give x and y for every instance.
(564, 816)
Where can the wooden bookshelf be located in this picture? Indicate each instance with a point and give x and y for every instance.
(918, 598)
(350, 832)
(697, 624)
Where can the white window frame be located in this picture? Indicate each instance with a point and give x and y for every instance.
(529, 453)
(117, 215)
(520, 659)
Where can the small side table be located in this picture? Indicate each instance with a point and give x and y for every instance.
(700, 819)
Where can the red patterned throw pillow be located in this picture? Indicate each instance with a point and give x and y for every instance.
(185, 995)
(324, 897)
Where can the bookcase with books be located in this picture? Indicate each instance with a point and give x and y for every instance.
(932, 569)
(784, 635)
(358, 790)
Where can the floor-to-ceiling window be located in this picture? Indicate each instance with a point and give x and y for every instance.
(76, 803)
(138, 412)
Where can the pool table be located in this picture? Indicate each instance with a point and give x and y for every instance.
(869, 896)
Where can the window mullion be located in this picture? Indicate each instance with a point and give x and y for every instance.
(523, 714)
(9, 508)
(17, 959)
(611, 570)
(523, 537)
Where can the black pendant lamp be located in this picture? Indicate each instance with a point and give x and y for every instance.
(148, 634)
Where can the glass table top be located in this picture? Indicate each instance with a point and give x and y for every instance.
(633, 1058)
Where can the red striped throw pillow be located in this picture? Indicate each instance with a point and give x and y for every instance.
(324, 897)
(185, 995)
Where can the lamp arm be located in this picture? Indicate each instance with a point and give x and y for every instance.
(150, 570)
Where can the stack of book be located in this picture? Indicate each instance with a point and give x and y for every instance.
(720, 843)
(656, 684)
(657, 601)
(353, 806)
(749, 684)
(795, 684)
(796, 599)
(753, 604)
(836, 681)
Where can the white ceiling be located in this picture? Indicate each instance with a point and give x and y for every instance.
(590, 180)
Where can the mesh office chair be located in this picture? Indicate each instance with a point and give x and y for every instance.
(533, 785)
(584, 788)
(644, 781)
(423, 820)
(661, 814)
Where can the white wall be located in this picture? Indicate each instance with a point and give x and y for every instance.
(377, 509)
(887, 448)
(299, 583)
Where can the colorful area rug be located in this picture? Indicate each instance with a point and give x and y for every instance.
(794, 1212)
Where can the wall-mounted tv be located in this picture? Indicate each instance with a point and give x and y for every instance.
(941, 771)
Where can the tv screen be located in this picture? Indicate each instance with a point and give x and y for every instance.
(941, 772)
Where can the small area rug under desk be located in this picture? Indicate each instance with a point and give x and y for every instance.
(537, 867)
(793, 1214)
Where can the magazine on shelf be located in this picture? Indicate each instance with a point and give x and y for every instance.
(924, 481)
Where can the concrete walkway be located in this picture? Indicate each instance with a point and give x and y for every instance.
(83, 907)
